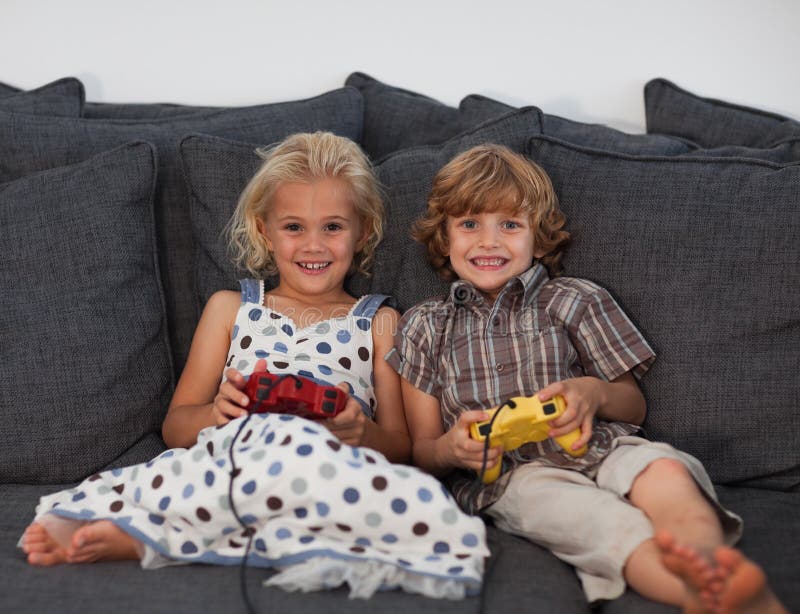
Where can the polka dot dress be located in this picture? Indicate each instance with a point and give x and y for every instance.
(330, 351)
(308, 501)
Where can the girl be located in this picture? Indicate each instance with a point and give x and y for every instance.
(319, 498)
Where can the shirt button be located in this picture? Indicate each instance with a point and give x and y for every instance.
(499, 368)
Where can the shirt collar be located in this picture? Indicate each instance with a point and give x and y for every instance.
(527, 284)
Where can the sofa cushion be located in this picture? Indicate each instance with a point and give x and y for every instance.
(218, 169)
(702, 253)
(86, 362)
(29, 143)
(395, 118)
(63, 98)
(112, 110)
(710, 122)
(476, 109)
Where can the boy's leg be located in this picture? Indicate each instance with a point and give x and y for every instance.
(593, 529)
(674, 492)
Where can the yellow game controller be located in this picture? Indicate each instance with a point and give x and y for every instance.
(522, 420)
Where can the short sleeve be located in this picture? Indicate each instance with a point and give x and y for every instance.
(608, 343)
(413, 353)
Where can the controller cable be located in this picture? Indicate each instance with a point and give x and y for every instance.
(473, 494)
(248, 530)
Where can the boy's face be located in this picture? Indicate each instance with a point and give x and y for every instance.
(490, 248)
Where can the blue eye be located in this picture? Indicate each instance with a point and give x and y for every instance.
(469, 224)
(511, 225)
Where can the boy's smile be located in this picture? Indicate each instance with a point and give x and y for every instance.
(490, 248)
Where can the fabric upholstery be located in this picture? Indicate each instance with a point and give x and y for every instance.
(708, 270)
(396, 118)
(87, 370)
(708, 122)
(29, 144)
(64, 98)
(476, 109)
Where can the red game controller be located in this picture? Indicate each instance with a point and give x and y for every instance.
(292, 394)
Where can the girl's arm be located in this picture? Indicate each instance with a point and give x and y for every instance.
(434, 450)
(388, 434)
(192, 406)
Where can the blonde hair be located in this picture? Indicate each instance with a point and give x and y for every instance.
(490, 178)
(304, 158)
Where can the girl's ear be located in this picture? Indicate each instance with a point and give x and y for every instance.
(262, 230)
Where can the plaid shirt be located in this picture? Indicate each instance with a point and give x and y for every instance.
(471, 354)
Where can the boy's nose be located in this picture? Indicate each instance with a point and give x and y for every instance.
(488, 237)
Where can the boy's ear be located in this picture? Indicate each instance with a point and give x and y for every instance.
(539, 253)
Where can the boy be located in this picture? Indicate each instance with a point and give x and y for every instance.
(508, 329)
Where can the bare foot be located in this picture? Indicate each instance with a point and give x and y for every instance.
(101, 541)
(700, 576)
(96, 541)
(42, 549)
(744, 590)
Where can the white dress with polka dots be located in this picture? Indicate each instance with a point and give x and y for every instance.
(322, 512)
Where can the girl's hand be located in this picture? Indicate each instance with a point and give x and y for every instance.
(350, 424)
(230, 401)
(583, 396)
(457, 449)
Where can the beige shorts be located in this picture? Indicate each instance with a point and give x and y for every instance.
(589, 523)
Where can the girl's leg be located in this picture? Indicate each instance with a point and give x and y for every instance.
(88, 543)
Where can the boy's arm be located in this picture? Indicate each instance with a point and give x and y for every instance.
(434, 450)
(618, 400)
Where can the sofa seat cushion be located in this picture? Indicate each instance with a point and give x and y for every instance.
(702, 253)
(86, 371)
(29, 144)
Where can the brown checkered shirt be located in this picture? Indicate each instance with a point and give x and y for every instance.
(472, 354)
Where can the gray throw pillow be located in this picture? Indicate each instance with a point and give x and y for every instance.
(218, 169)
(30, 143)
(83, 336)
(395, 118)
(476, 109)
(62, 98)
(710, 122)
(703, 255)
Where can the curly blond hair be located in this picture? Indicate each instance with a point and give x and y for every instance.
(304, 158)
(489, 178)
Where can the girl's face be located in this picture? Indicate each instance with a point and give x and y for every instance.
(488, 249)
(313, 232)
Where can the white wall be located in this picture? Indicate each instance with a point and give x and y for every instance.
(583, 59)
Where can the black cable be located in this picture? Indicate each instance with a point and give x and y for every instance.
(249, 531)
(476, 485)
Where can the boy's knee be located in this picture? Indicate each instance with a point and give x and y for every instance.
(660, 472)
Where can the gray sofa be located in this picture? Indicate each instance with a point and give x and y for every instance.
(111, 217)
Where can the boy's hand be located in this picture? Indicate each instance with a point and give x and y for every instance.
(583, 399)
(457, 449)
(350, 424)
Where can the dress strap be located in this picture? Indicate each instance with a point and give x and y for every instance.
(368, 306)
(252, 291)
